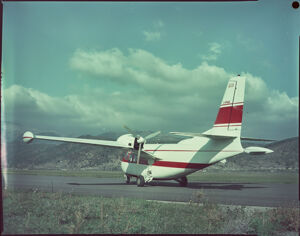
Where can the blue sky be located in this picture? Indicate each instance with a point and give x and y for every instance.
(79, 68)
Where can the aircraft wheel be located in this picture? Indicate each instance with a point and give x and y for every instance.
(183, 181)
(140, 181)
(127, 179)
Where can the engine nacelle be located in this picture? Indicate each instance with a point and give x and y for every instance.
(131, 141)
(127, 139)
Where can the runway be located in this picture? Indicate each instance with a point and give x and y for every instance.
(248, 194)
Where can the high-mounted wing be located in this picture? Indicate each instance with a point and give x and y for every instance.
(29, 136)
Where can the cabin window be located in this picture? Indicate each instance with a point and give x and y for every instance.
(143, 161)
(131, 157)
(127, 156)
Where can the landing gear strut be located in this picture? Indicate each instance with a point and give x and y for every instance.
(127, 179)
(183, 181)
(140, 181)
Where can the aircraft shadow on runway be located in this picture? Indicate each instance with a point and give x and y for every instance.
(193, 185)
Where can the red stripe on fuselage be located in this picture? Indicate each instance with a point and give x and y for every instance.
(174, 164)
(231, 114)
(163, 150)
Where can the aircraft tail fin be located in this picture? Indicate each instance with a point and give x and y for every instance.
(229, 118)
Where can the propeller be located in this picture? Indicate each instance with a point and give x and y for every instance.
(140, 140)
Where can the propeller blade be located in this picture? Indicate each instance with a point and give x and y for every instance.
(152, 135)
(131, 131)
(139, 154)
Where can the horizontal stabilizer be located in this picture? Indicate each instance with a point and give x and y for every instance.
(257, 139)
(212, 136)
(257, 150)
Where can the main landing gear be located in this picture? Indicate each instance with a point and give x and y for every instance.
(140, 180)
(127, 179)
(182, 181)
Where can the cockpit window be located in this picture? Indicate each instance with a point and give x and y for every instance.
(127, 156)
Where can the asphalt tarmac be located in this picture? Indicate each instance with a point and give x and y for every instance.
(247, 194)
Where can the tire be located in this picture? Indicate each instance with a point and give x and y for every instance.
(183, 181)
(140, 181)
(127, 179)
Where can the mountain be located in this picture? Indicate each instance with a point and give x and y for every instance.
(285, 156)
(57, 155)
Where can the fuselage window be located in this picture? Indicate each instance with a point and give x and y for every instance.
(131, 157)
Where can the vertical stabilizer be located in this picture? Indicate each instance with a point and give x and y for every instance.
(229, 118)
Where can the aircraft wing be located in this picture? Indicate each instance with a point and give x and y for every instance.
(28, 137)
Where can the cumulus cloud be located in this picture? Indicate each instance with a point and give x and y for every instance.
(155, 33)
(197, 89)
(151, 36)
(158, 24)
(214, 52)
(146, 92)
(153, 74)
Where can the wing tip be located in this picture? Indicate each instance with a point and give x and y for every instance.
(28, 137)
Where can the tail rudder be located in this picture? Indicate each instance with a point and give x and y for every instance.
(229, 118)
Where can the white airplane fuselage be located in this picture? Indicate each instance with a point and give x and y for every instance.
(183, 158)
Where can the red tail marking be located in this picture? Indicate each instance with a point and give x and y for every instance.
(231, 114)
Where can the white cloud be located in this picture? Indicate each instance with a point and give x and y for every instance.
(214, 52)
(215, 48)
(146, 70)
(197, 89)
(154, 34)
(151, 36)
(149, 93)
(158, 24)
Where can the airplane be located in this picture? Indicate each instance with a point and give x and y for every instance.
(147, 162)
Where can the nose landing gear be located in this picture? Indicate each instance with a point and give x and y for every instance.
(127, 179)
(140, 181)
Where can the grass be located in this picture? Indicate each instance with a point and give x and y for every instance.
(226, 176)
(30, 212)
